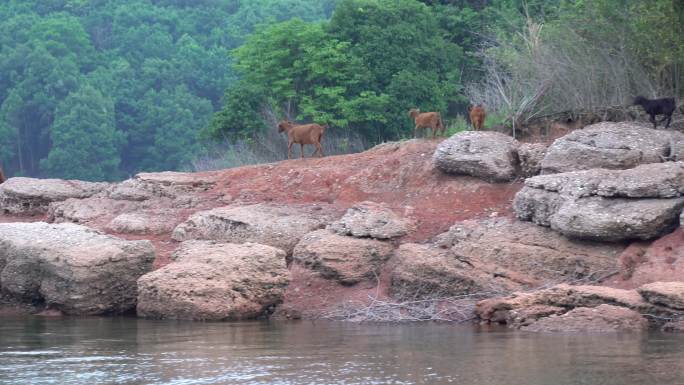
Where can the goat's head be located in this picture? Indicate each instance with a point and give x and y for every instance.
(284, 125)
(413, 112)
(639, 100)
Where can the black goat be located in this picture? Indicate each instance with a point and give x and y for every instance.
(653, 107)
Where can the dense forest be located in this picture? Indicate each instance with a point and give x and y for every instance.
(102, 89)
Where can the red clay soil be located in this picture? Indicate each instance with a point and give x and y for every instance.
(399, 174)
(645, 262)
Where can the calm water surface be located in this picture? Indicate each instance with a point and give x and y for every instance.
(131, 351)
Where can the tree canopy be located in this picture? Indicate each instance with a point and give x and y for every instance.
(102, 89)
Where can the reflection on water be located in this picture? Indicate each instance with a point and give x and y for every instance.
(131, 351)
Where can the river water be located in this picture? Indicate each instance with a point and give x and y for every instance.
(36, 350)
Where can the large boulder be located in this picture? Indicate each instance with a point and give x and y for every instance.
(371, 220)
(607, 145)
(606, 205)
(617, 220)
(484, 154)
(215, 281)
(668, 294)
(600, 319)
(33, 196)
(72, 268)
(535, 252)
(346, 259)
(426, 272)
(279, 226)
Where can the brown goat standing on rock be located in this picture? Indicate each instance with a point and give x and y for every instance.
(477, 116)
(302, 134)
(427, 120)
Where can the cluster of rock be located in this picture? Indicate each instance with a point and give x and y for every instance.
(599, 188)
(606, 205)
(353, 248)
(604, 185)
(499, 158)
(579, 308)
(608, 182)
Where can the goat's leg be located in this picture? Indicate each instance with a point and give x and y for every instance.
(415, 132)
(289, 150)
(669, 119)
(653, 120)
(301, 150)
(319, 149)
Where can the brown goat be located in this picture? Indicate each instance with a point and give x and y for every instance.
(427, 120)
(477, 116)
(302, 134)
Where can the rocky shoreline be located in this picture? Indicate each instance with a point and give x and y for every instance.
(582, 235)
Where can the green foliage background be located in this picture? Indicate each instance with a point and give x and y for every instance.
(102, 89)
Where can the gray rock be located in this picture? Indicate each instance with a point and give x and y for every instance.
(600, 319)
(370, 219)
(657, 180)
(676, 146)
(513, 309)
(607, 145)
(616, 220)
(484, 154)
(536, 254)
(72, 268)
(215, 281)
(33, 196)
(606, 205)
(279, 226)
(88, 209)
(155, 222)
(425, 272)
(130, 190)
(348, 260)
(531, 156)
(537, 206)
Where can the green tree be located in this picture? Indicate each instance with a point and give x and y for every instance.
(363, 70)
(85, 142)
(175, 117)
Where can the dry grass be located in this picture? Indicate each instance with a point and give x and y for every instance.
(270, 146)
